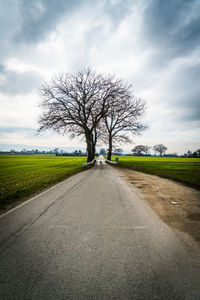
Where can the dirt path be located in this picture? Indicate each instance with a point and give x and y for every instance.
(176, 204)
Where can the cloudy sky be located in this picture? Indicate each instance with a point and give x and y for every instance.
(155, 45)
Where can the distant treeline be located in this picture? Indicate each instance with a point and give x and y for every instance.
(102, 151)
(192, 154)
(25, 153)
(75, 153)
(56, 152)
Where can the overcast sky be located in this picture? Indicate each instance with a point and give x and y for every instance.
(155, 45)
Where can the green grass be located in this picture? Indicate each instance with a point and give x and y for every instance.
(185, 170)
(24, 175)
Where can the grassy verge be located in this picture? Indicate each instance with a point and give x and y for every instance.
(23, 175)
(184, 170)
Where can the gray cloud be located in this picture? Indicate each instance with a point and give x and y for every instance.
(38, 18)
(31, 21)
(172, 26)
(172, 29)
(182, 91)
(9, 23)
(28, 22)
(8, 130)
(117, 11)
(14, 83)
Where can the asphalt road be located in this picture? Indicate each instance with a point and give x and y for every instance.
(92, 237)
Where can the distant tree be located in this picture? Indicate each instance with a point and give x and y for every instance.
(146, 149)
(118, 151)
(189, 153)
(76, 153)
(80, 152)
(139, 149)
(102, 151)
(196, 153)
(160, 148)
(56, 150)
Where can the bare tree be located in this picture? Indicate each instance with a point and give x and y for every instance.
(138, 149)
(146, 149)
(160, 148)
(122, 117)
(118, 151)
(75, 104)
(102, 151)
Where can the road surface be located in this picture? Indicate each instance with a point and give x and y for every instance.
(91, 237)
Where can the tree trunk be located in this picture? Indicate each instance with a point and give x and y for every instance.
(93, 149)
(110, 149)
(90, 147)
(90, 156)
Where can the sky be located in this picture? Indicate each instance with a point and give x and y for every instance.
(152, 44)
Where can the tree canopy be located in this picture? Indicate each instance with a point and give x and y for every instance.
(160, 148)
(92, 105)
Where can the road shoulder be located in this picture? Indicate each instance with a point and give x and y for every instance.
(176, 204)
(23, 200)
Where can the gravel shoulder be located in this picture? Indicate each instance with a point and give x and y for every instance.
(176, 204)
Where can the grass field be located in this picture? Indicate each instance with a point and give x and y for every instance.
(185, 170)
(24, 175)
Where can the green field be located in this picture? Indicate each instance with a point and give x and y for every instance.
(24, 175)
(185, 170)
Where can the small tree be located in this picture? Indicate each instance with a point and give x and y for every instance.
(160, 148)
(139, 149)
(122, 117)
(80, 153)
(56, 150)
(146, 149)
(118, 151)
(198, 152)
(102, 151)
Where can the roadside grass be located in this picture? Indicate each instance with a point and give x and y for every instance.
(25, 175)
(184, 170)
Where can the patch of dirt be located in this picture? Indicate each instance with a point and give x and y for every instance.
(176, 204)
